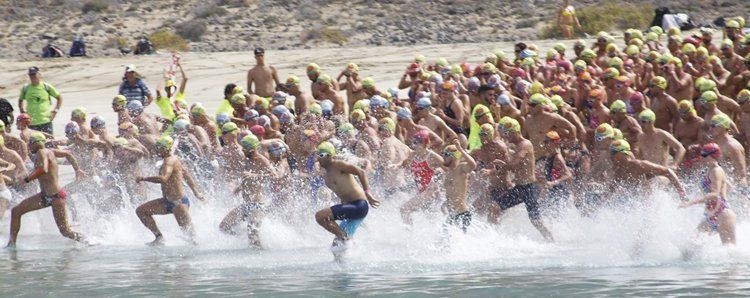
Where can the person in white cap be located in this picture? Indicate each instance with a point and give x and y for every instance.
(134, 88)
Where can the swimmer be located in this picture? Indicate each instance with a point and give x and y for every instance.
(339, 177)
(173, 201)
(719, 218)
(656, 144)
(52, 194)
(422, 162)
(457, 164)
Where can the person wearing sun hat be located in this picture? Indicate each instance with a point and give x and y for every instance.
(662, 104)
(356, 200)
(655, 144)
(689, 128)
(521, 160)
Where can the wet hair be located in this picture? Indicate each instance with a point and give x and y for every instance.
(520, 46)
(484, 89)
(229, 88)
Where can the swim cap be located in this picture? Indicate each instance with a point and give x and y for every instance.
(387, 124)
(500, 54)
(419, 58)
(120, 142)
(743, 96)
(449, 86)
(264, 121)
(277, 148)
(705, 84)
(229, 127)
(222, 118)
(557, 101)
(326, 106)
(709, 97)
(632, 50)
(588, 54)
(528, 62)
(510, 125)
(488, 68)
(653, 56)
(377, 101)
(403, 114)
(165, 142)
(250, 115)
(250, 142)
(688, 48)
(315, 108)
(603, 131)
(727, 44)
(421, 137)
(597, 94)
(278, 110)
(197, 110)
(238, 99)
(260, 103)
(292, 81)
(393, 92)
(37, 138)
(487, 130)
(72, 128)
(559, 47)
(623, 80)
(611, 73)
(119, 101)
(618, 106)
(721, 120)
(659, 81)
(134, 106)
(79, 112)
(423, 103)
(618, 146)
(325, 80)
(552, 54)
(617, 134)
(647, 115)
(711, 149)
(616, 62)
(181, 125)
(346, 128)
(733, 24)
(686, 106)
(238, 90)
(97, 122)
(327, 148)
(312, 69)
(358, 115)
(352, 67)
(362, 104)
(480, 111)
(452, 151)
(537, 99)
(368, 83)
(491, 58)
(651, 36)
(441, 62)
(279, 96)
(258, 130)
(553, 136)
(503, 99)
(286, 118)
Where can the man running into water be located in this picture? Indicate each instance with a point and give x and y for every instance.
(52, 195)
(174, 201)
(457, 165)
(339, 177)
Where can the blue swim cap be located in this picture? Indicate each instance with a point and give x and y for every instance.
(134, 105)
(98, 122)
(222, 118)
(326, 105)
(72, 128)
(403, 113)
(424, 103)
(503, 99)
(278, 110)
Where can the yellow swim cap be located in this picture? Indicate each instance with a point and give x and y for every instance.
(441, 62)
(559, 47)
(660, 82)
(688, 48)
(705, 84)
(733, 24)
(451, 151)
(588, 54)
(727, 44)
(169, 83)
(721, 120)
(238, 90)
(490, 58)
(353, 67)
(229, 127)
(368, 82)
(420, 58)
(616, 134)
(743, 96)
(611, 73)
(537, 98)
(262, 103)
(238, 98)
(618, 106)
(686, 106)
(327, 148)
(616, 62)
(325, 79)
(120, 101)
(632, 50)
(618, 146)
(528, 61)
(552, 54)
(536, 88)
(486, 130)
(647, 115)
(557, 100)
(315, 108)
(709, 97)
(387, 124)
(79, 112)
(121, 142)
(510, 125)
(358, 115)
(603, 131)
(313, 68)
(250, 142)
(651, 36)
(165, 142)
(292, 81)
(500, 54)
(197, 110)
(346, 128)
(362, 105)
(37, 138)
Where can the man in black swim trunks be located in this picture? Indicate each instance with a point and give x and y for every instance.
(52, 194)
(521, 160)
(339, 178)
(174, 200)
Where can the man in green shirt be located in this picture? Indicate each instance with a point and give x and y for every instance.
(38, 97)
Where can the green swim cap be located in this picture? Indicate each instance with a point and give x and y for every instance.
(327, 148)
(557, 100)
(617, 134)
(368, 82)
(120, 101)
(721, 120)
(632, 50)
(387, 124)
(250, 142)
(647, 116)
(537, 98)
(79, 112)
(229, 127)
(165, 142)
(346, 128)
(604, 130)
(315, 108)
(361, 105)
(618, 146)
(705, 84)
(261, 103)
(509, 125)
(618, 106)
(37, 138)
(559, 47)
(536, 88)
(709, 97)
(238, 98)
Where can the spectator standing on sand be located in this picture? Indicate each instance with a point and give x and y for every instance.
(134, 88)
(567, 20)
(263, 76)
(38, 96)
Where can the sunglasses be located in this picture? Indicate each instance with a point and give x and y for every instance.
(600, 138)
(323, 154)
(483, 133)
(619, 85)
(448, 154)
(479, 116)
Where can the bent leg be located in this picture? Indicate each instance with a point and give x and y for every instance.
(31, 204)
(146, 212)
(324, 217)
(727, 227)
(61, 219)
(182, 216)
(230, 220)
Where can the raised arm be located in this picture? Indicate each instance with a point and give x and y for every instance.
(183, 83)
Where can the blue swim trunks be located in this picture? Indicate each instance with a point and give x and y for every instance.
(170, 205)
(351, 215)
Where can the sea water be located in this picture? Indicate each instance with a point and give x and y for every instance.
(650, 249)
